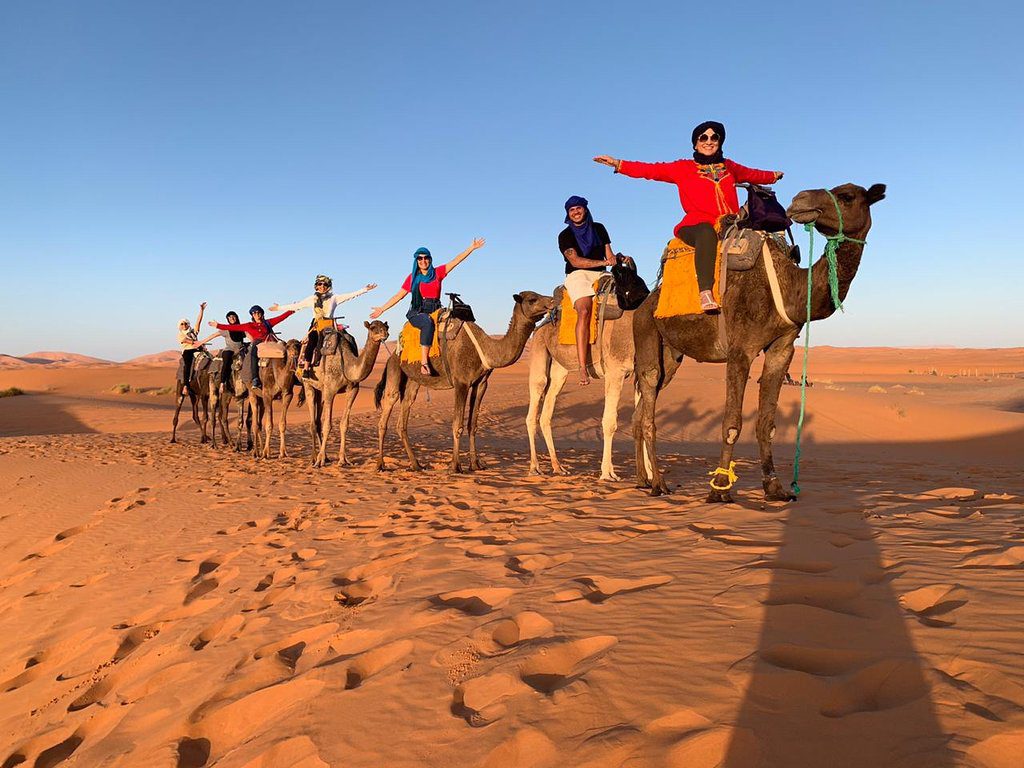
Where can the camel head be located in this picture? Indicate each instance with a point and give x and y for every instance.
(291, 350)
(377, 330)
(814, 205)
(532, 305)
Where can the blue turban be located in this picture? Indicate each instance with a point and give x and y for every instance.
(586, 236)
(418, 277)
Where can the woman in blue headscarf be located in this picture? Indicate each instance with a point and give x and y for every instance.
(587, 251)
(424, 283)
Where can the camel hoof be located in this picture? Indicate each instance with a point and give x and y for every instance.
(535, 472)
(173, 441)
(380, 467)
(344, 462)
(560, 470)
(478, 465)
(774, 491)
(719, 497)
(610, 477)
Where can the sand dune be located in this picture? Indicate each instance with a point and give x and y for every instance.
(172, 605)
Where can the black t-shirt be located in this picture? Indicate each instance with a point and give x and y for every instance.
(567, 240)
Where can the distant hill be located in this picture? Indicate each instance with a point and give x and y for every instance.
(168, 358)
(53, 358)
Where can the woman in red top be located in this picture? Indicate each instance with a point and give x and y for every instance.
(258, 331)
(424, 283)
(707, 191)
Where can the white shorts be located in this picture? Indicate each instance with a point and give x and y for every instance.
(580, 283)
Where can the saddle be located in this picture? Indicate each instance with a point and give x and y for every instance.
(606, 307)
(445, 326)
(330, 344)
(200, 363)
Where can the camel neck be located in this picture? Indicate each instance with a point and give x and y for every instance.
(506, 350)
(362, 365)
(848, 257)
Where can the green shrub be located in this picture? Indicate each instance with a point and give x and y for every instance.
(11, 392)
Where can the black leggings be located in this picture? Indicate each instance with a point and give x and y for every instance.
(227, 356)
(254, 362)
(312, 342)
(188, 355)
(705, 240)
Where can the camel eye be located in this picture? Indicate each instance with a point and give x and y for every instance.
(846, 197)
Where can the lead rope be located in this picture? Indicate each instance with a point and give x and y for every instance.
(831, 245)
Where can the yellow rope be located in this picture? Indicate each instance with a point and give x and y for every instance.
(729, 473)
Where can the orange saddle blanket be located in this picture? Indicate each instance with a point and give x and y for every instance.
(679, 292)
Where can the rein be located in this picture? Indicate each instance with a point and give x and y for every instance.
(831, 245)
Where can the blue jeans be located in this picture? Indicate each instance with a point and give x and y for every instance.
(421, 319)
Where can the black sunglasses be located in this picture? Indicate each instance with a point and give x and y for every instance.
(319, 282)
(709, 137)
(423, 258)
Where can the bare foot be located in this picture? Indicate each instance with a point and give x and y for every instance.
(425, 369)
(584, 378)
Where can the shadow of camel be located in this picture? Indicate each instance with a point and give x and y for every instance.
(835, 680)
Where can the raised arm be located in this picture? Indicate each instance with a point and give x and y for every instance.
(477, 243)
(378, 311)
(208, 339)
(199, 320)
(272, 321)
(341, 298)
(752, 175)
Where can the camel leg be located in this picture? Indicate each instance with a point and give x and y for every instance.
(326, 417)
(557, 377)
(268, 423)
(286, 401)
(458, 419)
(177, 411)
(350, 400)
(737, 370)
(777, 358)
(475, 403)
(313, 399)
(649, 383)
(539, 361)
(205, 423)
(392, 392)
(610, 420)
(258, 413)
(412, 389)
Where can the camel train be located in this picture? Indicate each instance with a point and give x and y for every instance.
(764, 307)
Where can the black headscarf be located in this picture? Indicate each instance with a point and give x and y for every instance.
(717, 127)
(235, 335)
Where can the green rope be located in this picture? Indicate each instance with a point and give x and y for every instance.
(831, 246)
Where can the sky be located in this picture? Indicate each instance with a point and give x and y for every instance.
(155, 155)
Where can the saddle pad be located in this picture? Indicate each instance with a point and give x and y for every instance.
(567, 322)
(409, 342)
(679, 292)
(271, 350)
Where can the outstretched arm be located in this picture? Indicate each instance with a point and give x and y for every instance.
(341, 298)
(477, 243)
(208, 339)
(294, 306)
(378, 311)
(752, 175)
(199, 320)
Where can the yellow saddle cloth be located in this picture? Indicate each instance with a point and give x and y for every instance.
(567, 322)
(409, 348)
(679, 292)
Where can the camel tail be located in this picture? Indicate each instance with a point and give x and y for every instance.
(378, 391)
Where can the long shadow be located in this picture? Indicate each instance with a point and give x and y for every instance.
(29, 414)
(836, 680)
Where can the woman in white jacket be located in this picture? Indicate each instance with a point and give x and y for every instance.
(324, 303)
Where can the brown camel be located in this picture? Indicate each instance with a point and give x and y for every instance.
(277, 378)
(550, 364)
(752, 325)
(198, 392)
(225, 391)
(470, 359)
(339, 372)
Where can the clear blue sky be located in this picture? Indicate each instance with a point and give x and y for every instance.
(153, 155)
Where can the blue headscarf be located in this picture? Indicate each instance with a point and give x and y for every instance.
(585, 233)
(418, 277)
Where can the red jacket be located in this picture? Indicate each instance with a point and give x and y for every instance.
(257, 331)
(706, 192)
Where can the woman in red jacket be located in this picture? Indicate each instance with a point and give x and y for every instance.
(258, 331)
(707, 191)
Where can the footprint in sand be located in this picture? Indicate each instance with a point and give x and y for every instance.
(527, 748)
(600, 588)
(933, 603)
(297, 752)
(481, 700)
(828, 594)
(1012, 557)
(824, 662)
(475, 601)
(290, 647)
(503, 636)
(533, 564)
(361, 592)
(883, 685)
(226, 626)
(710, 749)
(984, 689)
(557, 666)
(375, 662)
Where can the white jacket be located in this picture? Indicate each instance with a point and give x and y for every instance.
(330, 303)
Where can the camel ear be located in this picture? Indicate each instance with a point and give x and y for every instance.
(366, 323)
(517, 297)
(876, 193)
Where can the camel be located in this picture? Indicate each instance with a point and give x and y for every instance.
(470, 359)
(224, 392)
(550, 364)
(277, 378)
(752, 325)
(339, 372)
(198, 392)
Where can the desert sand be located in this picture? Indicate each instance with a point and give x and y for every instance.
(175, 605)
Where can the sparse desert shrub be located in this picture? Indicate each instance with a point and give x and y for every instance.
(161, 391)
(121, 389)
(11, 392)
(877, 390)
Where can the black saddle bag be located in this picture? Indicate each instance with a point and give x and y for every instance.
(763, 211)
(460, 310)
(630, 288)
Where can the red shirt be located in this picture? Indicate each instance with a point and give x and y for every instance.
(256, 331)
(707, 192)
(431, 290)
